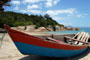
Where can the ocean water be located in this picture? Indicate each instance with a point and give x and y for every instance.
(70, 32)
(85, 30)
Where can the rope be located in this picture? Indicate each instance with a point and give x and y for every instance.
(1, 39)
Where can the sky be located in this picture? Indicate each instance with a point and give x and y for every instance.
(75, 13)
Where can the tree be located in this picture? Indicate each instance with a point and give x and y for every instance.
(17, 19)
(4, 3)
(46, 16)
(50, 21)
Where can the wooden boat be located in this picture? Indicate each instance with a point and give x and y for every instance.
(28, 44)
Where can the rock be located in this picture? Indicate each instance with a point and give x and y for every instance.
(77, 28)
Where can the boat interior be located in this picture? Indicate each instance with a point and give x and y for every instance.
(64, 39)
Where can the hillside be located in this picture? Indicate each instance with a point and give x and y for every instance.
(17, 19)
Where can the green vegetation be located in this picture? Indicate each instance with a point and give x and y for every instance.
(19, 19)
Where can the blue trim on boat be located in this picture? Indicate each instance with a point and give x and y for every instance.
(43, 51)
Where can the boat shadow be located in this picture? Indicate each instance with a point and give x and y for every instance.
(36, 57)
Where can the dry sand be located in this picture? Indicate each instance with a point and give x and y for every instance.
(8, 51)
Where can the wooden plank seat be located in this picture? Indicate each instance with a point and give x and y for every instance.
(77, 40)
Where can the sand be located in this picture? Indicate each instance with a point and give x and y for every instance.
(8, 51)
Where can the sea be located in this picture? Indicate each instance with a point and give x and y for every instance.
(84, 29)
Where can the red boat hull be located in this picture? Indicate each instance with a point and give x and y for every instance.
(28, 44)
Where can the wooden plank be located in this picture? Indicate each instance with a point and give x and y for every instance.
(77, 40)
(57, 41)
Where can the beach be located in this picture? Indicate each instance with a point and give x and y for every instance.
(61, 28)
(8, 51)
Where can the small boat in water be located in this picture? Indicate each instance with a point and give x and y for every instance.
(45, 46)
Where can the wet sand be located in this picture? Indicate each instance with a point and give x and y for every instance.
(8, 51)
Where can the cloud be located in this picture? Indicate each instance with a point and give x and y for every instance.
(50, 3)
(31, 11)
(67, 24)
(81, 15)
(16, 2)
(55, 2)
(32, 6)
(35, 11)
(57, 18)
(61, 14)
(16, 8)
(65, 11)
(31, 1)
